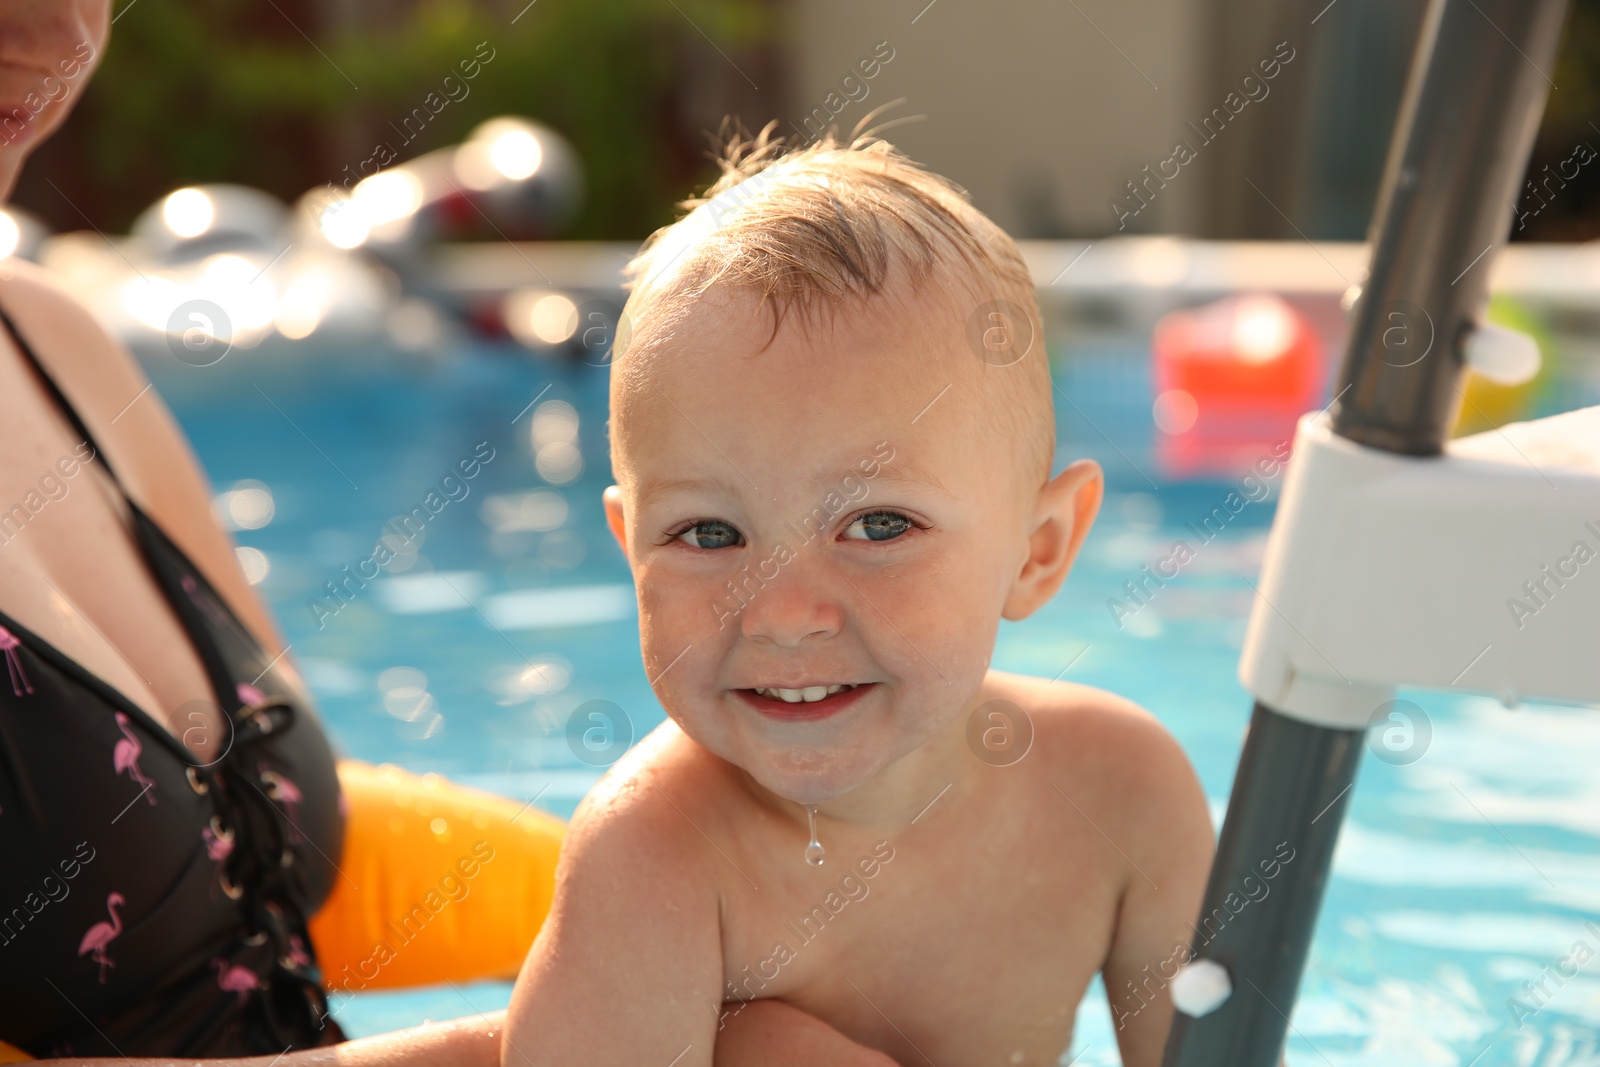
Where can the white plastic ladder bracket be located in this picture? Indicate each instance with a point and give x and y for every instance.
(1477, 570)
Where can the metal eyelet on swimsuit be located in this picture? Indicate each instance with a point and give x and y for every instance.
(195, 783)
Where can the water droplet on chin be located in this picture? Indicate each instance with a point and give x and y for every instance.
(815, 853)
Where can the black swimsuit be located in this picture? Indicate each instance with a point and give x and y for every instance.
(151, 905)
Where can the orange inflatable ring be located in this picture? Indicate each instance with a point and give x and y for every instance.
(437, 883)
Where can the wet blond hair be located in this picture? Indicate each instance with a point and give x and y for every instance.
(816, 227)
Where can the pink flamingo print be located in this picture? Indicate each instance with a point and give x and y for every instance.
(219, 841)
(250, 696)
(19, 677)
(101, 934)
(125, 758)
(285, 792)
(234, 978)
(297, 952)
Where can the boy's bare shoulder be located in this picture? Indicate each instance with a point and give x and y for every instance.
(652, 807)
(1108, 754)
(1066, 713)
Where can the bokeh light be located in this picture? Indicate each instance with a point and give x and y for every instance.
(540, 511)
(388, 196)
(247, 505)
(1175, 411)
(344, 224)
(188, 212)
(1263, 329)
(536, 317)
(10, 235)
(516, 154)
(254, 563)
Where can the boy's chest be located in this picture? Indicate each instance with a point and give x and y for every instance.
(971, 955)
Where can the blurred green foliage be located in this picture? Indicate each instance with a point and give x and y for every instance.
(264, 95)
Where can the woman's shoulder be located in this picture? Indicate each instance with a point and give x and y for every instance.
(131, 426)
(71, 343)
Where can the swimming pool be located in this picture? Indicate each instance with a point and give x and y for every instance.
(1459, 876)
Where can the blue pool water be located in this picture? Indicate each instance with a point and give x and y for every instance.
(1458, 878)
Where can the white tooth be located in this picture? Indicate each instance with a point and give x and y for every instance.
(832, 689)
(814, 692)
(792, 696)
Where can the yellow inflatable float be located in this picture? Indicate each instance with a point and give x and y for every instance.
(441, 884)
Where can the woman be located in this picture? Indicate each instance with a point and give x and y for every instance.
(169, 813)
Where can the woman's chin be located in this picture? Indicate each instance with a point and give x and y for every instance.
(10, 166)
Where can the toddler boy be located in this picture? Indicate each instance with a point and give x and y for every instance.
(853, 843)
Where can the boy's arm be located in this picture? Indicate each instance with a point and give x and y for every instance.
(1165, 830)
(771, 1033)
(627, 969)
(470, 1042)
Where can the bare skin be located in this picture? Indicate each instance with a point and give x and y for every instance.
(73, 573)
(469, 1042)
(971, 903)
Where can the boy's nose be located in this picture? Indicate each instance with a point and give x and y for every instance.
(791, 608)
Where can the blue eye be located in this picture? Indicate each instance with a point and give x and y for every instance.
(879, 526)
(709, 534)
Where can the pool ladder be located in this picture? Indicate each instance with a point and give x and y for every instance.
(1394, 554)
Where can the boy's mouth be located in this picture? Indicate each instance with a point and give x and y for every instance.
(809, 702)
(808, 694)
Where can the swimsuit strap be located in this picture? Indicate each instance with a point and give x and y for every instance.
(168, 564)
(66, 406)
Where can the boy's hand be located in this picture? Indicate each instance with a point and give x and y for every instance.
(770, 1033)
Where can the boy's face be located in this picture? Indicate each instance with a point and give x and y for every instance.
(838, 509)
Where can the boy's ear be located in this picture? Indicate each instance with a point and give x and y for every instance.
(611, 499)
(1066, 509)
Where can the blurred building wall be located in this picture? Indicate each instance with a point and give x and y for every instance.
(1039, 114)
(1046, 110)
